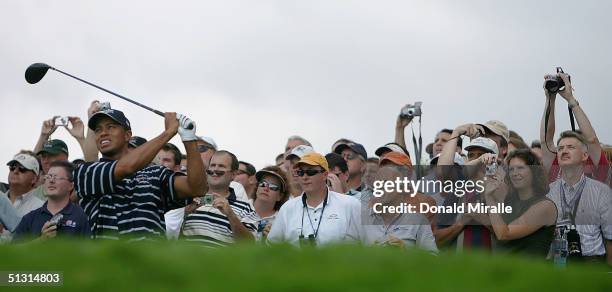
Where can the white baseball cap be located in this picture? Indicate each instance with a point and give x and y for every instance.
(299, 151)
(209, 141)
(27, 161)
(458, 159)
(483, 143)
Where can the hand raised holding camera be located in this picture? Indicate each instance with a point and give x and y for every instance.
(77, 128)
(48, 127)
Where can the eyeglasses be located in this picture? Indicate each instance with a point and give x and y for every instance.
(215, 172)
(309, 172)
(49, 177)
(273, 187)
(20, 169)
(203, 148)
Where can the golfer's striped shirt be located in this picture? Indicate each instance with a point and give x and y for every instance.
(132, 208)
(207, 225)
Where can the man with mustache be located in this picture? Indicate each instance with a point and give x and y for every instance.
(220, 219)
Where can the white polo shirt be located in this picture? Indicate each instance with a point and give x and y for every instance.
(339, 221)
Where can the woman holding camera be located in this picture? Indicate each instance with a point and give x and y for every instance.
(529, 228)
(272, 192)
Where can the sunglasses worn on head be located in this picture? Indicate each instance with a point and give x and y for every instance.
(203, 148)
(273, 187)
(215, 172)
(19, 168)
(309, 172)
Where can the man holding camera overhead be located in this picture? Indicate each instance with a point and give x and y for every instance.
(123, 195)
(596, 165)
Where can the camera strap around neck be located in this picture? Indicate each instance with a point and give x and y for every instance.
(573, 204)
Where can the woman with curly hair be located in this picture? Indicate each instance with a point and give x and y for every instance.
(529, 228)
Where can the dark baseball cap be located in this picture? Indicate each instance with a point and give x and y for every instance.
(54, 147)
(115, 115)
(356, 147)
(136, 141)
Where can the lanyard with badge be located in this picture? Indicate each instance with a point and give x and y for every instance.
(312, 238)
(569, 210)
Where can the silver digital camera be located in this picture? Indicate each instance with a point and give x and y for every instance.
(61, 121)
(104, 106)
(208, 199)
(411, 110)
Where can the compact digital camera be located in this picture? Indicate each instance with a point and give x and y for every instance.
(411, 110)
(61, 121)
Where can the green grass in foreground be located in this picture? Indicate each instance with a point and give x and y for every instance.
(119, 266)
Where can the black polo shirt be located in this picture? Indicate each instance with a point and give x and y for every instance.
(74, 222)
(132, 208)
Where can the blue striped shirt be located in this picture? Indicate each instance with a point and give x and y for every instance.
(132, 208)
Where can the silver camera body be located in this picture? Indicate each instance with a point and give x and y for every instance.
(61, 121)
(104, 106)
(55, 220)
(491, 169)
(411, 110)
(208, 199)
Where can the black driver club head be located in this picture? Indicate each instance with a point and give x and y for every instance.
(36, 72)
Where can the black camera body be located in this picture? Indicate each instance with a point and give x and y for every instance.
(554, 83)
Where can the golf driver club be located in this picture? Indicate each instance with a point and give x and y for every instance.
(37, 71)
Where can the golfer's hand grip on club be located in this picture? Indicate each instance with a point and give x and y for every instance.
(187, 128)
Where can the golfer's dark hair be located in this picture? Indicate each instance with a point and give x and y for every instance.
(234, 165)
(67, 166)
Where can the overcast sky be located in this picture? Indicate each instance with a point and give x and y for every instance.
(252, 73)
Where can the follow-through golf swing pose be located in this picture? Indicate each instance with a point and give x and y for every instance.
(123, 194)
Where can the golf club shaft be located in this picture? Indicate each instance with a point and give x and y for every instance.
(115, 94)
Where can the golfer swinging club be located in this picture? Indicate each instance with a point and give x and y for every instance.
(122, 194)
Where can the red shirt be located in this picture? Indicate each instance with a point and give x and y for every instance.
(602, 173)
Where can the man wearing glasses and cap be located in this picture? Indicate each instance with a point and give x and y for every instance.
(22, 178)
(319, 215)
(355, 156)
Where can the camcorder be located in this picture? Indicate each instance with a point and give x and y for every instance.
(410, 110)
(61, 121)
(554, 83)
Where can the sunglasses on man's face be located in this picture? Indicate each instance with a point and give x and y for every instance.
(308, 172)
(19, 168)
(273, 187)
(203, 148)
(215, 172)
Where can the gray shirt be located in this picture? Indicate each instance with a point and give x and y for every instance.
(8, 215)
(594, 213)
(413, 229)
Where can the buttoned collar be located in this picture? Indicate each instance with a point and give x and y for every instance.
(567, 186)
(67, 210)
